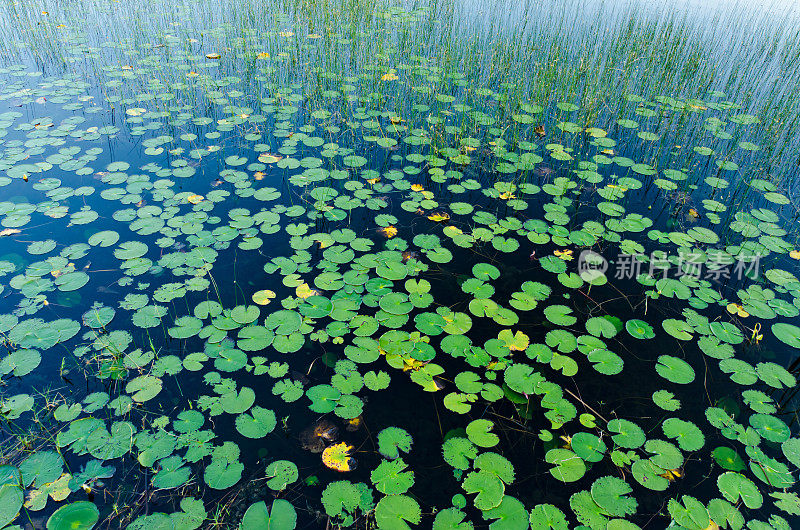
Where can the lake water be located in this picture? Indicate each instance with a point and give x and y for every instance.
(405, 264)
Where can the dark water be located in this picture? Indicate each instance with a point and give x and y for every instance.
(149, 134)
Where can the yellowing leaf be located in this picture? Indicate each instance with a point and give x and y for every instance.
(388, 231)
(354, 423)
(263, 55)
(439, 216)
(514, 341)
(736, 309)
(337, 456)
(267, 158)
(195, 198)
(417, 187)
(59, 489)
(9, 231)
(390, 76)
(304, 291)
(794, 254)
(672, 474)
(263, 297)
(412, 364)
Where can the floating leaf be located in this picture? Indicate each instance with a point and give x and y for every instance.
(674, 369)
(510, 513)
(256, 423)
(666, 400)
(394, 512)
(263, 297)
(639, 329)
(559, 315)
(337, 456)
(458, 452)
(82, 515)
(688, 435)
(390, 477)
(628, 434)
(479, 433)
(392, 440)
(546, 516)
(569, 467)
(689, 513)
(11, 497)
(611, 494)
(281, 473)
(787, 333)
(734, 486)
(677, 328)
(281, 516)
(488, 486)
(728, 458)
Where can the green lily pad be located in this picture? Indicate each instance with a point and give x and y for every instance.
(281, 473)
(394, 512)
(479, 433)
(639, 329)
(281, 516)
(569, 467)
(675, 370)
(80, 515)
(611, 494)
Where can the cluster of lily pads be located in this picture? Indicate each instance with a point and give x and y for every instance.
(194, 270)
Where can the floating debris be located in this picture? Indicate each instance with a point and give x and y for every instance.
(318, 435)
